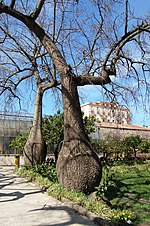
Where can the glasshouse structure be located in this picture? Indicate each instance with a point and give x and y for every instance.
(11, 125)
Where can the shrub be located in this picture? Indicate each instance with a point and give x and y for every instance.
(45, 170)
(18, 143)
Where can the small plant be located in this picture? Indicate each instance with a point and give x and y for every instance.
(123, 216)
(45, 170)
(105, 182)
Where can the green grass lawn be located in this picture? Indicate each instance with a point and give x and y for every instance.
(130, 189)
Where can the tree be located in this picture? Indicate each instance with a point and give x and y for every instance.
(53, 128)
(144, 147)
(19, 142)
(133, 142)
(93, 57)
(112, 148)
(33, 58)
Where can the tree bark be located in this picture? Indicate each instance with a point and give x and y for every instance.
(35, 148)
(78, 166)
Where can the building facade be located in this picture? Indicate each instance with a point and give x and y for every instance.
(112, 121)
(117, 131)
(107, 112)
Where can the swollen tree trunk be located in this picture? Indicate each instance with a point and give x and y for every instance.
(78, 166)
(35, 148)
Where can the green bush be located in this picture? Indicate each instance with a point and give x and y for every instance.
(18, 143)
(45, 170)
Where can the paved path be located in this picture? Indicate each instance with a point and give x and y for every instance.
(24, 204)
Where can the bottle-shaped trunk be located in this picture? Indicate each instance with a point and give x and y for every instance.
(35, 148)
(78, 166)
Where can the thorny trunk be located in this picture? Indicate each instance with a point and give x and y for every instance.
(78, 166)
(35, 148)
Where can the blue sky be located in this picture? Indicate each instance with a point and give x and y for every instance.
(92, 93)
(141, 7)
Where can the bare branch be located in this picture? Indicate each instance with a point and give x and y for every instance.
(18, 44)
(3, 39)
(54, 25)
(38, 9)
(126, 17)
(12, 3)
(10, 90)
(88, 39)
(91, 80)
(51, 48)
(24, 78)
(122, 41)
(11, 59)
(47, 86)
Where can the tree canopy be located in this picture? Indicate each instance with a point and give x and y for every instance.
(92, 38)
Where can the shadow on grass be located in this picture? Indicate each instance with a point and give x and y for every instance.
(126, 193)
(131, 191)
